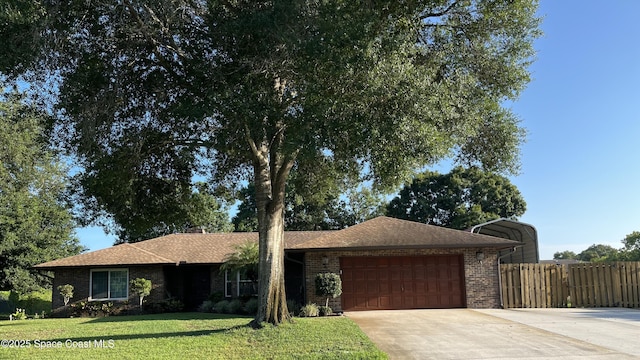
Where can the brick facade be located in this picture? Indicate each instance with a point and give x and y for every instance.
(480, 277)
(79, 278)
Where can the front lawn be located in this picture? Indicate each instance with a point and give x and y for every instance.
(183, 335)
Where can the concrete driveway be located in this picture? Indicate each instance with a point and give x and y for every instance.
(504, 334)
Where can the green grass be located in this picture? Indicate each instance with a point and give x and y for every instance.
(188, 336)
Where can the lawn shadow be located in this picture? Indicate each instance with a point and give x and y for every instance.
(167, 316)
(149, 335)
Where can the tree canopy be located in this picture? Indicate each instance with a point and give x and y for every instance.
(330, 212)
(565, 255)
(601, 252)
(250, 89)
(460, 199)
(35, 220)
(138, 209)
(631, 249)
(598, 253)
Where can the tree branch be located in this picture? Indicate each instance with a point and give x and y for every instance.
(257, 156)
(439, 13)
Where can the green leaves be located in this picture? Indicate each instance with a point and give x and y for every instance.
(459, 200)
(35, 220)
(244, 259)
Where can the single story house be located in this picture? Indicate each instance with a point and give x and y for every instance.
(384, 263)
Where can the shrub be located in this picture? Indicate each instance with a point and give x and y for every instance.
(93, 308)
(19, 315)
(293, 306)
(36, 301)
(141, 287)
(5, 307)
(166, 306)
(328, 285)
(66, 291)
(222, 307)
(309, 310)
(235, 306)
(251, 306)
(206, 306)
(173, 305)
(324, 310)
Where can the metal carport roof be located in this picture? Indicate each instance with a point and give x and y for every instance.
(513, 230)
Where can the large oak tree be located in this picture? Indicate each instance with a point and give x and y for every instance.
(250, 89)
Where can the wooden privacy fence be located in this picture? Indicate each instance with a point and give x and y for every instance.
(575, 285)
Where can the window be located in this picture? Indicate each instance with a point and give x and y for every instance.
(243, 285)
(109, 284)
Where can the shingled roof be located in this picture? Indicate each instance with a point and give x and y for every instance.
(174, 249)
(386, 232)
(379, 233)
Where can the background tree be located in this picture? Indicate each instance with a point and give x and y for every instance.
(459, 199)
(250, 89)
(598, 253)
(565, 255)
(631, 249)
(35, 222)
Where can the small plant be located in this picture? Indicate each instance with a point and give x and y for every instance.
(309, 310)
(222, 307)
(328, 285)
(569, 301)
(325, 310)
(141, 287)
(235, 306)
(173, 305)
(293, 306)
(206, 306)
(20, 314)
(66, 291)
(251, 306)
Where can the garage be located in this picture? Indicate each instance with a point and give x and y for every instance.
(402, 282)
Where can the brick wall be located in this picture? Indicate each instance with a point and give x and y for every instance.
(217, 280)
(79, 278)
(153, 273)
(481, 278)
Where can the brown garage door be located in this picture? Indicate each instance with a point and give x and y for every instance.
(402, 282)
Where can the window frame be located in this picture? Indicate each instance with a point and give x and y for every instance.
(237, 281)
(108, 271)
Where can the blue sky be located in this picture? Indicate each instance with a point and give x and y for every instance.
(579, 172)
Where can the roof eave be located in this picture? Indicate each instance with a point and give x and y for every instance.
(55, 267)
(497, 246)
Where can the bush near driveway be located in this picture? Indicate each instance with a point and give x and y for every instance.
(189, 335)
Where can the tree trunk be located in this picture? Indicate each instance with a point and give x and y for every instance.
(270, 174)
(271, 293)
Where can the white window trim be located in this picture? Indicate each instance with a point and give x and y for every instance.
(109, 270)
(226, 282)
(237, 283)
